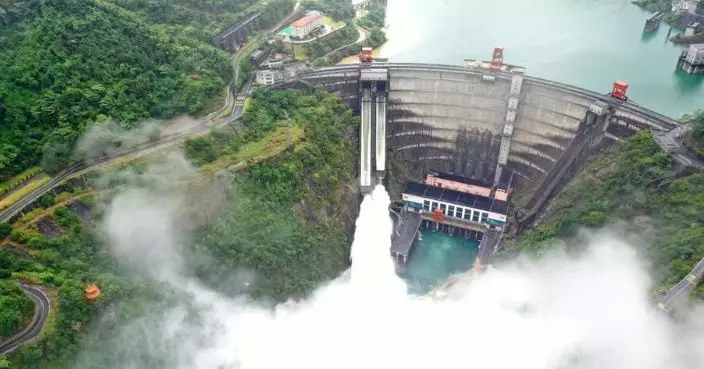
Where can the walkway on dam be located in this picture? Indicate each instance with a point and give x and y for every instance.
(405, 233)
(490, 241)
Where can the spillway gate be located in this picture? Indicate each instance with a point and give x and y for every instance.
(374, 88)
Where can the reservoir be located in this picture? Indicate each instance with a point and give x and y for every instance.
(586, 43)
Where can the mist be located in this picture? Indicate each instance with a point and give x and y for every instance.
(591, 311)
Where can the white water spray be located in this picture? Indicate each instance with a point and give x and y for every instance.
(591, 312)
(372, 268)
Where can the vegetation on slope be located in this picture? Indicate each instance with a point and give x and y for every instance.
(68, 64)
(284, 220)
(15, 306)
(638, 183)
(337, 9)
(324, 45)
(694, 138)
(374, 21)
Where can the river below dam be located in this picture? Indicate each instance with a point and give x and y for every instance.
(586, 43)
(435, 257)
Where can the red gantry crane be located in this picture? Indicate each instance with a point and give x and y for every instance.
(619, 90)
(497, 59)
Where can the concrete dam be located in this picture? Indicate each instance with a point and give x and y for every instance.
(497, 126)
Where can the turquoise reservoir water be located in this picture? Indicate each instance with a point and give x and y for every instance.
(587, 43)
(436, 257)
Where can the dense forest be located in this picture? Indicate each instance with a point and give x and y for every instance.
(290, 216)
(15, 306)
(285, 219)
(336, 9)
(637, 187)
(69, 64)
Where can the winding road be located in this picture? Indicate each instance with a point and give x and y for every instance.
(363, 33)
(231, 101)
(677, 295)
(42, 305)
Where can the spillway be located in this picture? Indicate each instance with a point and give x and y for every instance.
(365, 177)
(380, 132)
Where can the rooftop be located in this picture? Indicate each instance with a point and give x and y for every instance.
(456, 197)
(256, 54)
(312, 16)
(456, 178)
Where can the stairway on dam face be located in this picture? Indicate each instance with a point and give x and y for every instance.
(594, 124)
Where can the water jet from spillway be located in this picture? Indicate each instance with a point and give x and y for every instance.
(373, 268)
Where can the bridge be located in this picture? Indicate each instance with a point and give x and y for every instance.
(233, 36)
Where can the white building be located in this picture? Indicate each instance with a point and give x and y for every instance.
(695, 54)
(684, 6)
(691, 29)
(471, 208)
(304, 26)
(270, 76)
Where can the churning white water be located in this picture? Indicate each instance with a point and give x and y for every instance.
(372, 271)
(591, 312)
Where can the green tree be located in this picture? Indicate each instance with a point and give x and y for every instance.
(14, 306)
(5, 230)
(694, 139)
(200, 150)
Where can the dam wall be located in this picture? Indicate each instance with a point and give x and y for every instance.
(451, 119)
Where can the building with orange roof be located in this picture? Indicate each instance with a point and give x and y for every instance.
(309, 23)
(92, 292)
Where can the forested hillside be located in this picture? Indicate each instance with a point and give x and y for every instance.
(285, 219)
(638, 188)
(68, 64)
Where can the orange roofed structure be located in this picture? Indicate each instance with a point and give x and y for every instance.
(92, 292)
(310, 22)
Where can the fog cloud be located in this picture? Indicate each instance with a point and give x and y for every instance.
(591, 311)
